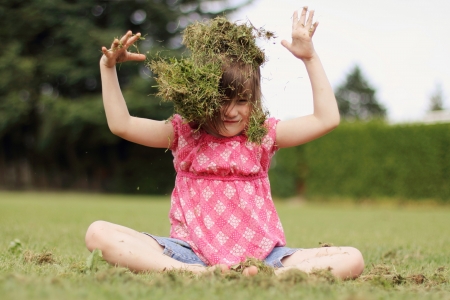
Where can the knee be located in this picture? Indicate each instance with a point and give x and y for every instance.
(95, 235)
(356, 262)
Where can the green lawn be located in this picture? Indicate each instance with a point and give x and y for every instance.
(406, 250)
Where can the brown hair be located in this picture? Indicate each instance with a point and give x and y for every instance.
(239, 81)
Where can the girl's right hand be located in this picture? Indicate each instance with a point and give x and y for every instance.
(119, 53)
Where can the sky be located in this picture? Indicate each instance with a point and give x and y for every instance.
(402, 47)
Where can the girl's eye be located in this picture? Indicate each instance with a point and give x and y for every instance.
(242, 101)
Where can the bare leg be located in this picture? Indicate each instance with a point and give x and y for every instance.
(345, 262)
(128, 248)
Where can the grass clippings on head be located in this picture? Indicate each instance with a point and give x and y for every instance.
(218, 38)
(192, 82)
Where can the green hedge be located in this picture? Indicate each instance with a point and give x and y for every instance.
(369, 160)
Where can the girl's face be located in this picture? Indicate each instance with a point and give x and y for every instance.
(235, 117)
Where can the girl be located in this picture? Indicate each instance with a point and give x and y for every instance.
(221, 207)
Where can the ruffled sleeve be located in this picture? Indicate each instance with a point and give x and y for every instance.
(176, 124)
(269, 141)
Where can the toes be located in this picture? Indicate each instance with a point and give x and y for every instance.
(250, 271)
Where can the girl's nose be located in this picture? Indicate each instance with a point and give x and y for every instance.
(231, 111)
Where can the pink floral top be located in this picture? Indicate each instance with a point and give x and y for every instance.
(221, 204)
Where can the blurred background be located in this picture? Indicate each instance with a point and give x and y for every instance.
(387, 62)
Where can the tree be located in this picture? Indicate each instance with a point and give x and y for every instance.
(437, 99)
(53, 130)
(356, 98)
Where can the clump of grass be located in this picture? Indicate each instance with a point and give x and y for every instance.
(192, 82)
(387, 276)
(294, 277)
(323, 275)
(250, 261)
(324, 244)
(212, 40)
(256, 130)
(192, 88)
(46, 257)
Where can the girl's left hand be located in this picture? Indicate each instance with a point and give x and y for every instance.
(302, 32)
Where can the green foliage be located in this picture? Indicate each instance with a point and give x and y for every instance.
(356, 98)
(369, 160)
(53, 131)
(288, 172)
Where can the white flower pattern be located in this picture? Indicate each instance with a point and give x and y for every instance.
(222, 238)
(209, 223)
(249, 234)
(207, 193)
(229, 191)
(219, 208)
(265, 244)
(237, 250)
(233, 221)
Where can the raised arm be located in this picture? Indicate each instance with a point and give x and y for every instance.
(157, 134)
(326, 114)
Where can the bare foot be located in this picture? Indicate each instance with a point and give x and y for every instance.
(250, 271)
(199, 269)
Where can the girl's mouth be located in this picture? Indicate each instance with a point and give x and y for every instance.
(231, 121)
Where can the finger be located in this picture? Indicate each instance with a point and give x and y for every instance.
(108, 52)
(115, 44)
(303, 15)
(125, 38)
(136, 56)
(310, 19)
(105, 51)
(294, 20)
(313, 29)
(286, 44)
(132, 40)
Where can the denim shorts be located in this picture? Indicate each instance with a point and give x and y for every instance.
(181, 251)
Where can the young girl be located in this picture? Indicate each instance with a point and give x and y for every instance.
(221, 207)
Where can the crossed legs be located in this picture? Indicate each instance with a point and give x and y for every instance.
(128, 248)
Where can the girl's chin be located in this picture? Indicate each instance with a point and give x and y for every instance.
(231, 133)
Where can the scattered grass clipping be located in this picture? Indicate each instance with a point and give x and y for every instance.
(192, 82)
(250, 261)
